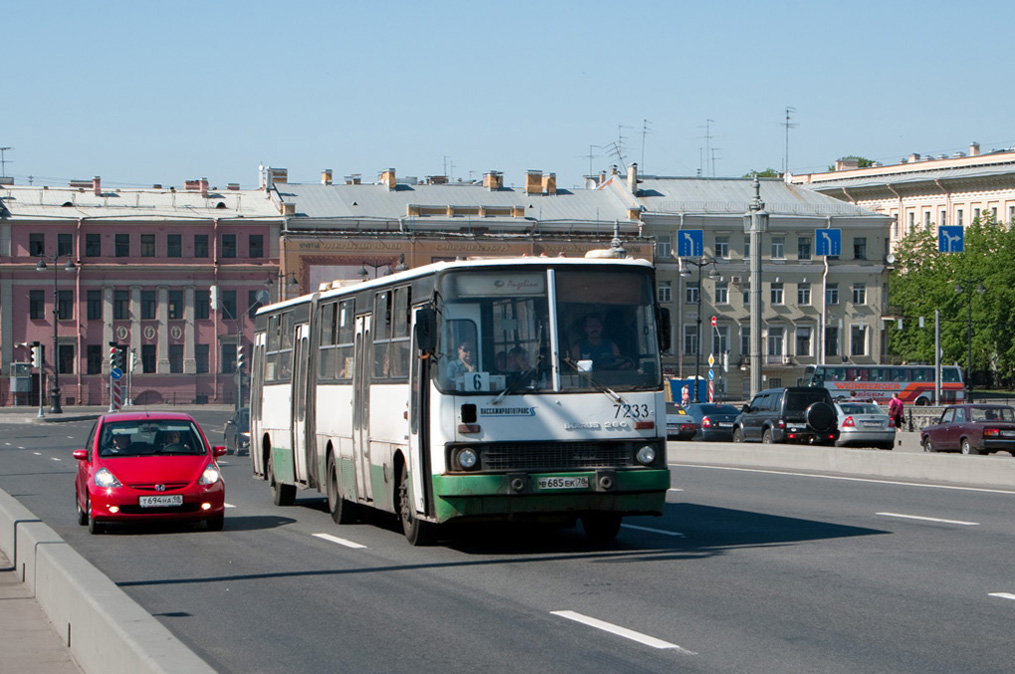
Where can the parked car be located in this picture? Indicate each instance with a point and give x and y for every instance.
(798, 414)
(679, 426)
(971, 429)
(148, 466)
(864, 424)
(715, 421)
(237, 432)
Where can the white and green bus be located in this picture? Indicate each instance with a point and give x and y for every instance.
(468, 391)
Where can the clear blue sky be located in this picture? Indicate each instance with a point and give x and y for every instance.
(141, 92)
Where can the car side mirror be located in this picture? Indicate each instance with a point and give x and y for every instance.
(81, 454)
(745, 409)
(230, 423)
(218, 450)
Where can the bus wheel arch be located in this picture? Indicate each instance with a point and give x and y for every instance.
(342, 510)
(922, 401)
(418, 532)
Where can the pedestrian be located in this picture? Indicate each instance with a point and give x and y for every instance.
(895, 410)
(685, 397)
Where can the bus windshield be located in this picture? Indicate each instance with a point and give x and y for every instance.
(568, 328)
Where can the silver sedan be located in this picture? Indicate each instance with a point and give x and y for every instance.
(864, 425)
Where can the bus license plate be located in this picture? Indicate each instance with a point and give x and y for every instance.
(581, 482)
(161, 501)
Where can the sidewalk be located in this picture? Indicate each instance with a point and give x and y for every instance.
(28, 641)
(30, 415)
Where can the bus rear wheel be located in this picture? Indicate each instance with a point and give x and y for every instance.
(342, 511)
(601, 527)
(417, 531)
(281, 494)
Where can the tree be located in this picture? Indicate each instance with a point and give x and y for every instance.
(861, 162)
(767, 173)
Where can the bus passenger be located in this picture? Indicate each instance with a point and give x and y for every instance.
(462, 364)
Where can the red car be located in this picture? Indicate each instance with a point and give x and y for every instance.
(971, 429)
(148, 466)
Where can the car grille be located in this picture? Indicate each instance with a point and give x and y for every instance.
(555, 456)
(151, 486)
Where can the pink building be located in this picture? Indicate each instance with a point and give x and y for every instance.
(172, 275)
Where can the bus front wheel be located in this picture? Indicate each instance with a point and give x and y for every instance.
(417, 531)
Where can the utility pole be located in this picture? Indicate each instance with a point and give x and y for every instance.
(785, 161)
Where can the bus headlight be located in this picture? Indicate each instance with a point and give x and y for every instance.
(467, 458)
(646, 455)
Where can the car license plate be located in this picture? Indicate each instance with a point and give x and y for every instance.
(725, 424)
(581, 482)
(1008, 434)
(161, 501)
(872, 424)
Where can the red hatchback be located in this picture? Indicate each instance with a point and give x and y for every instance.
(147, 466)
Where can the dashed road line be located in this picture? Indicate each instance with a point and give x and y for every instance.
(340, 541)
(621, 631)
(1003, 595)
(654, 531)
(929, 519)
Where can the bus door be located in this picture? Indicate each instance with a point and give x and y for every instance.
(299, 402)
(256, 393)
(419, 427)
(363, 364)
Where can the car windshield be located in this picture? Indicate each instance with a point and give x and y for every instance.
(799, 400)
(150, 437)
(993, 414)
(718, 409)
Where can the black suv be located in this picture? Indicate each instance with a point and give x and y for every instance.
(802, 414)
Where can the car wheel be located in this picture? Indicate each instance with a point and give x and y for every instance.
(282, 494)
(766, 436)
(417, 531)
(820, 417)
(928, 446)
(967, 448)
(738, 435)
(216, 523)
(601, 528)
(888, 446)
(342, 511)
(82, 514)
(93, 526)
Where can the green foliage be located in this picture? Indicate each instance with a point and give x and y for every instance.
(925, 280)
(861, 162)
(767, 173)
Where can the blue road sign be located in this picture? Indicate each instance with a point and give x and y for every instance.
(951, 239)
(711, 375)
(691, 242)
(116, 374)
(828, 242)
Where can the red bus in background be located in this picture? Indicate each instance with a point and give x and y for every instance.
(913, 383)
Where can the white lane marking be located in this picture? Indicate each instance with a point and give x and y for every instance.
(620, 631)
(929, 519)
(230, 505)
(36, 453)
(674, 489)
(1003, 595)
(53, 458)
(340, 541)
(850, 479)
(653, 531)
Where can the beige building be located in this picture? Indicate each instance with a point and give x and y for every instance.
(926, 191)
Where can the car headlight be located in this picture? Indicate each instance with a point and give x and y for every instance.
(468, 459)
(105, 479)
(646, 455)
(211, 475)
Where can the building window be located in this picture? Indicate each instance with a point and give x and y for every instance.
(64, 244)
(722, 293)
(859, 293)
(148, 358)
(832, 293)
(65, 304)
(228, 245)
(803, 341)
(176, 358)
(747, 248)
(65, 358)
(831, 341)
(803, 248)
(777, 293)
(858, 340)
(175, 304)
(93, 245)
(664, 247)
(690, 339)
(148, 305)
(692, 294)
(976, 215)
(775, 341)
(122, 245)
(95, 305)
(201, 358)
(721, 341)
(227, 359)
(36, 244)
(256, 245)
(200, 245)
(174, 245)
(942, 222)
(912, 222)
(860, 248)
(253, 302)
(36, 304)
(202, 304)
(664, 292)
(926, 219)
(121, 305)
(778, 248)
(993, 213)
(803, 294)
(722, 247)
(228, 299)
(958, 217)
(745, 341)
(1011, 215)
(93, 355)
(147, 245)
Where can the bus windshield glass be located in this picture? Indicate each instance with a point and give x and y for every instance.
(570, 328)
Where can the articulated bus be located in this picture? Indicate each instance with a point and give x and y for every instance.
(511, 389)
(913, 383)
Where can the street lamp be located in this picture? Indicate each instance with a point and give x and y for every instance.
(959, 289)
(714, 275)
(54, 392)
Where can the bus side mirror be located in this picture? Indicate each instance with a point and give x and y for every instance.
(664, 328)
(426, 329)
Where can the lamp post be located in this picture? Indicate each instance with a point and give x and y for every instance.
(714, 275)
(54, 392)
(959, 289)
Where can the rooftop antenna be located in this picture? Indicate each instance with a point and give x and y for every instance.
(785, 163)
(592, 155)
(713, 159)
(645, 130)
(3, 161)
(708, 142)
(620, 144)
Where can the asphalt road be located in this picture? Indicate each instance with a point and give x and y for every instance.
(746, 572)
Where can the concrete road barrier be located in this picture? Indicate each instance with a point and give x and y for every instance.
(106, 630)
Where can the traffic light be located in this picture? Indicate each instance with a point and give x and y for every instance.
(133, 359)
(38, 355)
(239, 357)
(114, 355)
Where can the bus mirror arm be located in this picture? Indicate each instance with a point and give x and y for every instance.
(426, 329)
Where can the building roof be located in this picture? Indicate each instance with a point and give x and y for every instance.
(925, 173)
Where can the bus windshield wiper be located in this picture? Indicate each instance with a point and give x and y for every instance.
(513, 381)
(610, 393)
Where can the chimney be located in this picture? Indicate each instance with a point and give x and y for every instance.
(326, 177)
(203, 185)
(233, 187)
(914, 157)
(353, 179)
(632, 178)
(288, 208)
(533, 182)
(493, 180)
(97, 185)
(974, 149)
(549, 183)
(388, 178)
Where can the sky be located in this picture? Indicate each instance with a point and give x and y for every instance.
(140, 92)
